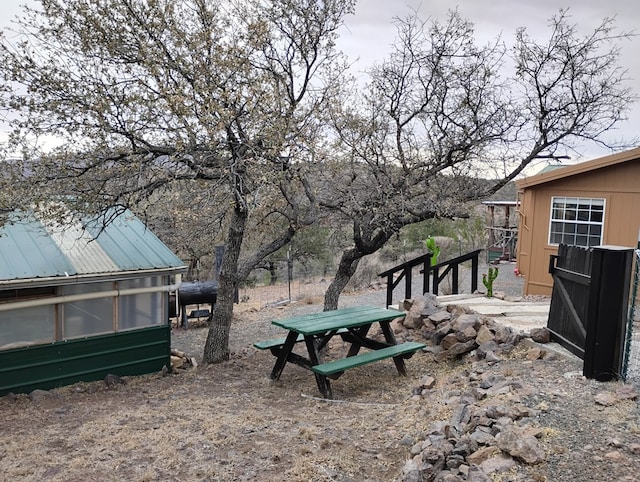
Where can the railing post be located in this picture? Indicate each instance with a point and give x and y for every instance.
(454, 280)
(474, 273)
(389, 289)
(407, 282)
(436, 281)
(426, 274)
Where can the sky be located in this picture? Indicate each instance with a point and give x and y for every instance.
(367, 36)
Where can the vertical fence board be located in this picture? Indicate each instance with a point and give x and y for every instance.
(570, 296)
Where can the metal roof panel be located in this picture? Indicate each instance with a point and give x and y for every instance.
(31, 249)
(27, 251)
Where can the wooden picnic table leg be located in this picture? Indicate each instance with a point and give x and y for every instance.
(281, 361)
(355, 347)
(321, 380)
(391, 339)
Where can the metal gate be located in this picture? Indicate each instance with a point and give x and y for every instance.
(589, 302)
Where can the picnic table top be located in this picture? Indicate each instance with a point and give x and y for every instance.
(327, 321)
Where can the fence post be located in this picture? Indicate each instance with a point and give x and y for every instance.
(606, 319)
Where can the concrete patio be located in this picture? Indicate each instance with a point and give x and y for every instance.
(520, 315)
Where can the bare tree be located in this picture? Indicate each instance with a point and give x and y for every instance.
(140, 95)
(439, 115)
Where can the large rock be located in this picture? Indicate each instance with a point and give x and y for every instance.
(443, 330)
(540, 335)
(429, 305)
(484, 335)
(462, 322)
(520, 445)
(439, 317)
(459, 348)
(449, 340)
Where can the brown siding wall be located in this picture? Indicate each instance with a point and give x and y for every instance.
(619, 185)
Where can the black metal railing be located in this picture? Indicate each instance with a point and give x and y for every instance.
(438, 271)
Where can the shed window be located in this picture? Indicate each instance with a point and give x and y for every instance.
(142, 309)
(26, 326)
(576, 221)
(87, 317)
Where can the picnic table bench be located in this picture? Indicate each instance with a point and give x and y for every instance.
(350, 324)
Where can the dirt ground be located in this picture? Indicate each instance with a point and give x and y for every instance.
(230, 422)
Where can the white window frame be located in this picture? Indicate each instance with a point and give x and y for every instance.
(579, 221)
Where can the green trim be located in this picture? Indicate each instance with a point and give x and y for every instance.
(367, 357)
(134, 352)
(326, 321)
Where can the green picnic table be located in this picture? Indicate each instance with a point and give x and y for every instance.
(353, 326)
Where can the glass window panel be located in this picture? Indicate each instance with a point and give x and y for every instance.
(582, 229)
(596, 216)
(143, 309)
(87, 317)
(583, 215)
(27, 326)
(581, 241)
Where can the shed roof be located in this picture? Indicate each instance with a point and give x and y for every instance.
(34, 249)
(562, 172)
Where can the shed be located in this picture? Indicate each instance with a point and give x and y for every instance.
(80, 301)
(587, 204)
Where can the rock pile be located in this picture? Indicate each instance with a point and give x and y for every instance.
(490, 429)
(454, 331)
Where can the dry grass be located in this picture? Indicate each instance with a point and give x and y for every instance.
(230, 422)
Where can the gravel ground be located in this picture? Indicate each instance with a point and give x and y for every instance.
(229, 422)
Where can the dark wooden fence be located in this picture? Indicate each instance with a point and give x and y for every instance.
(589, 306)
(571, 272)
(438, 272)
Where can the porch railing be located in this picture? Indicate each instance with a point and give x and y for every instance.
(439, 271)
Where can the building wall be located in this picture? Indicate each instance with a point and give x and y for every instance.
(52, 365)
(619, 185)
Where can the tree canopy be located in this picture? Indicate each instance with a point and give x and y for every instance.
(442, 114)
(242, 113)
(143, 94)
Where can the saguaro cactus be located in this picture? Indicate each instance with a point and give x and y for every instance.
(487, 281)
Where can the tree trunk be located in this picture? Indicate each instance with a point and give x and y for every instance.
(216, 348)
(273, 273)
(346, 269)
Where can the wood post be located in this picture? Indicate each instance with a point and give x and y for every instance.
(607, 312)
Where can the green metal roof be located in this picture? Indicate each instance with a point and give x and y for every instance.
(31, 249)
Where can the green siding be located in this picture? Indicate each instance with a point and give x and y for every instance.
(61, 363)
